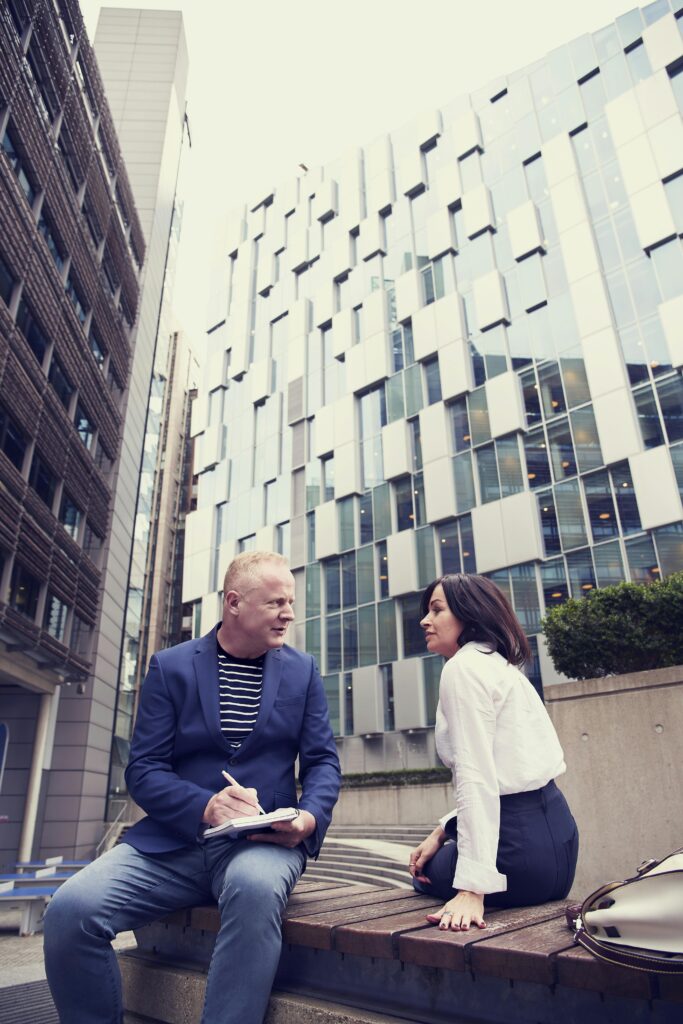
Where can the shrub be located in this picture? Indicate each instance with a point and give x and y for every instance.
(626, 628)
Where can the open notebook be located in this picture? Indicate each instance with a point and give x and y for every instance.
(254, 823)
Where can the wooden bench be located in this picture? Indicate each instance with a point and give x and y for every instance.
(371, 948)
(31, 900)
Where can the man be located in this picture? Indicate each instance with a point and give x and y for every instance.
(237, 700)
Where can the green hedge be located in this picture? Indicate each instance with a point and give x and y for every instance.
(626, 628)
(403, 777)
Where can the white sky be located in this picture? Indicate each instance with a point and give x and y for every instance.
(277, 82)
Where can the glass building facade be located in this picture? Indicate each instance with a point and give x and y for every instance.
(457, 348)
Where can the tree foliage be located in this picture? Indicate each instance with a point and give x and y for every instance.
(626, 628)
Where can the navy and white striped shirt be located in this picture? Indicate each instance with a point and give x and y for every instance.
(240, 683)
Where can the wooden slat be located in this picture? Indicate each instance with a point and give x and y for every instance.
(300, 902)
(526, 954)
(381, 937)
(434, 948)
(577, 968)
(320, 931)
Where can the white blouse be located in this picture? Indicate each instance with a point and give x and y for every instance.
(493, 732)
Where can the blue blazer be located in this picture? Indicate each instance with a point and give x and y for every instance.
(178, 750)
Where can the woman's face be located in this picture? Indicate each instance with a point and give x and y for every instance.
(441, 627)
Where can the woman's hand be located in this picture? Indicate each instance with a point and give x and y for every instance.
(459, 913)
(424, 853)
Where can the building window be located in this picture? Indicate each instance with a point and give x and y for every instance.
(7, 282)
(387, 675)
(59, 382)
(33, 333)
(70, 516)
(413, 636)
(96, 346)
(327, 478)
(54, 621)
(432, 380)
(81, 636)
(12, 440)
(76, 299)
(42, 480)
(84, 426)
(24, 591)
(331, 686)
(12, 151)
(45, 227)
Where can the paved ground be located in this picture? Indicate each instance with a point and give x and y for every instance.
(24, 995)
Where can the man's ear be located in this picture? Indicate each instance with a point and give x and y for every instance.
(232, 601)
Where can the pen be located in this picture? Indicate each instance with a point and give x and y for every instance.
(234, 782)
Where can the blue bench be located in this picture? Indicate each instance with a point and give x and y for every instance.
(31, 900)
(35, 878)
(51, 862)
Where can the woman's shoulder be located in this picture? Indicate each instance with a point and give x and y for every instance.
(475, 660)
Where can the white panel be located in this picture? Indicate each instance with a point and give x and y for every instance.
(200, 414)
(265, 270)
(591, 305)
(347, 470)
(637, 163)
(477, 210)
(396, 449)
(521, 528)
(212, 609)
(618, 430)
(439, 485)
(604, 362)
(428, 126)
(342, 332)
(235, 231)
(402, 560)
(195, 575)
(340, 261)
(326, 530)
(524, 228)
(408, 294)
(411, 172)
(434, 432)
(490, 300)
(579, 252)
(355, 368)
(671, 316)
(265, 539)
(299, 319)
(489, 539)
(569, 205)
(447, 184)
(198, 530)
(440, 234)
(375, 312)
(666, 140)
(449, 319)
(371, 239)
(296, 253)
(467, 133)
(663, 42)
(624, 118)
(652, 216)
(656, 99)
(380, 191)
(323, 306)
(505, 404)
(238, 339)
(345, 420)
(368, 700)
(425, 342)
(409, 702)
(377, 361)
(323, 431)
(455, 369)
(654, 482)
(559, 161)
(327, 200)
(260, 377)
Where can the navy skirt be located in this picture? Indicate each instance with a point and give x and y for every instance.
(538, 848)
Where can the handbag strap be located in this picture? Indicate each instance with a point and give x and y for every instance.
(627, 958)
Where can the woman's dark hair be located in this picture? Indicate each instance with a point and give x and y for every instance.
(485, 612)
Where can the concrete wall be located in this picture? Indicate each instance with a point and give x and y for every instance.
(622, 737)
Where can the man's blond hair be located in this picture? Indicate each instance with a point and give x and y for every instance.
(244, 569)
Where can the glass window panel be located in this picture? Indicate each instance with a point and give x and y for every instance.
(348, 574)
(388, 696)
(405, 517)
(554, 583)
(620, 296)
(462, 439)
(386, 631)
(674, 193)
(426, 560)
(464, 482)
(312, 590)
(365, 573)
(570, 515)
(331, 685)
(367, 636)
(332, 585)
(419, 500)
(347, 537)
(574, 377)
(350, 626)
(519, 345)
(629, 517)
(601, 511)
(310, 537)
(635, 355)
(479, 416)
(55, 617)
(413, 390)
(581, 573)
(432, 668)
(532, 402)
(449, 547)
(365, 517)
(395, 402)
(643, 283)
(509, 467)
(333, 635)
(677, 459)
(609, 566)
(642, 560)
(537, 465)
(488, 474)
(525, 597)
(416, 443)
(381, 502)
(561, 450)
(469, 561)
(586, 440)
(383, 569)
(656, 345)
(648, 417)
(551, 533)
(413, 636)
(671, 401)
(433, 381)
(492, 345)
(669, 541)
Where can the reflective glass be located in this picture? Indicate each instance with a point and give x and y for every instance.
(551, 534)
(350, 627)
(367, 636)
(601, 511)
(464, 482)
(669, 541)
(667, 261)
(382, 569)
(433, 381)
(449, 547)
(462, 439)
(386, 631)
(574, 378)
(581, 574)
(381, 499)
(426, 560)
(333, 642)
(634, 354)
(312, 590)
(412, 379)
(345, 509)
(431, 668)
(570, 515)
(561, 449)
(469, 561)
(479, 416)
(525, 597)
(532, 402)
(609, 566)
(671, 401)
(312, 639)
(332, 585)
(365, 517)
(493, 347)
(489, 487)
(648, 417)
(627, 505)
(656, 346)
(677, 459)
(365, 573)
(413, 636)
(642, 560)
(552, 395)
(509, 465)
(395, 402)
(586, 439)
(405, 518)
(348, 575)
(537, 466)
(554, 583)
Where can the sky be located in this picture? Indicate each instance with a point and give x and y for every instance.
(276, 83)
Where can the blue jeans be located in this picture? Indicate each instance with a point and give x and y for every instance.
(125, 889)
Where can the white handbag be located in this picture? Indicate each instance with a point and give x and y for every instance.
(637, 922)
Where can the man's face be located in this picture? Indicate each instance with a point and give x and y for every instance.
(259, 613)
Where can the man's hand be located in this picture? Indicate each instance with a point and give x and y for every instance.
(231, 802)
(287, 833)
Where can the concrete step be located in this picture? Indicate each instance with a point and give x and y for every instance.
(157, 993)
(341, 873)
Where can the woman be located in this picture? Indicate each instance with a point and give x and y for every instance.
(516, 842)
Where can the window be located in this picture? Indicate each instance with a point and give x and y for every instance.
(96, 346)
(7, 282)
(383, 569)
(327, 475)
(670, 393)
(54, 621)
(77, 301)
(413, 636)
(648, 417)
(24, 591)
(12, 440)
(387, 676)
(11, 149)
(33, 333)
(432, 380)
(59, 382)
(81, 635)
(85, 428)
(627, 506)
(42, 480)
(46, 229)
(70, 516)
